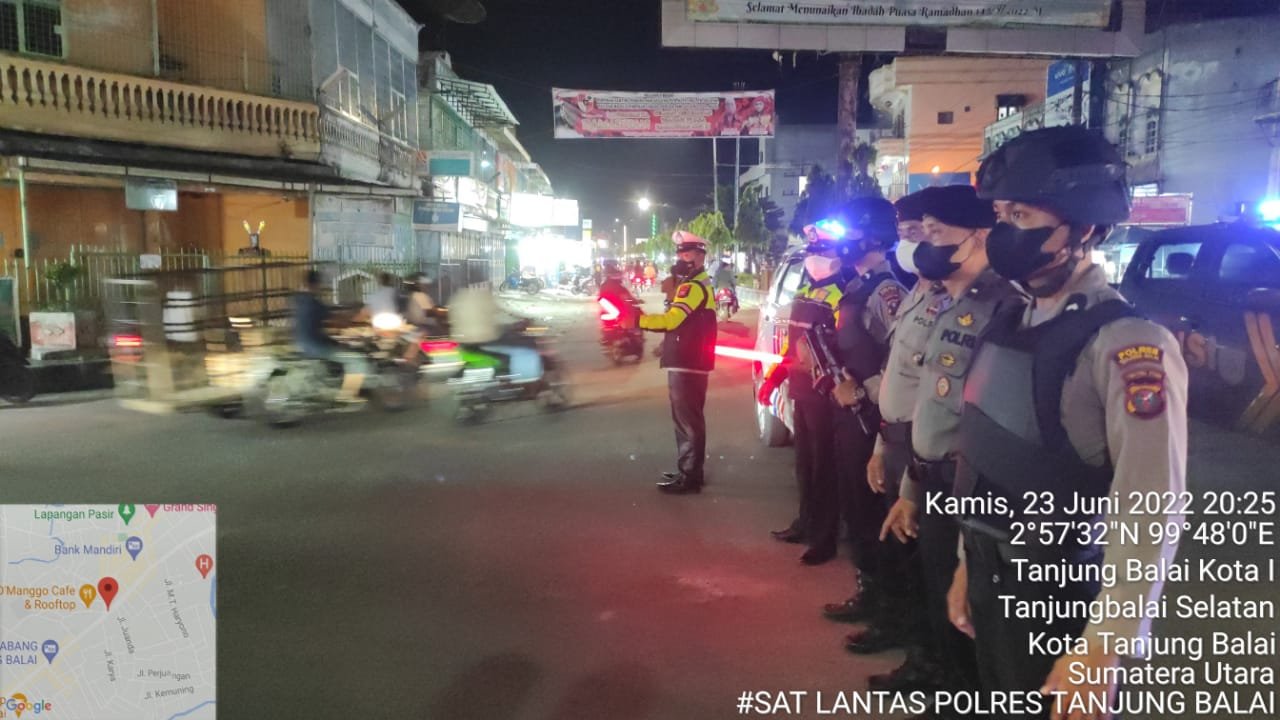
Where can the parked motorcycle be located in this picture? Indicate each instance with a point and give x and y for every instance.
(294, 387)
(17, 381)
(726, 303)
(527, 282)
(484, 383)
(620, 344)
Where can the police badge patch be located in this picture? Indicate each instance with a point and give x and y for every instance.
(1144, 394)
(944, 386)
(891, 296)
(965, 320)
(683, 292)
(820, 295)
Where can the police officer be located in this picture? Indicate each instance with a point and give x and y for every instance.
(1070, 396)
(815, 303)
(867, 307)
(965, 296)
(688, 355)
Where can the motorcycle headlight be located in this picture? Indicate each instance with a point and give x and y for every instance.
(387, 321)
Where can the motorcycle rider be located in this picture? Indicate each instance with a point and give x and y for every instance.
(727, 279)
(310, 315)
(477, 322)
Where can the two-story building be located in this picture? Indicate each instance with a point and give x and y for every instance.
(154, 126)
(939, 109)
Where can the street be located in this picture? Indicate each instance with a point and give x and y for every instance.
(401, 566)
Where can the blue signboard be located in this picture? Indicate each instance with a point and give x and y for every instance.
(1062, 77)
(436, 215)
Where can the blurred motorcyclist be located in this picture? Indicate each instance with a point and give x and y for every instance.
(311, 339)
(476, 321)
(614, 286)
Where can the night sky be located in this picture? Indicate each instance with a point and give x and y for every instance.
(527, 46)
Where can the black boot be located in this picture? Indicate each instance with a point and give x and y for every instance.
(918, 672)
(871, 640)
(859, 608)
(680, 485)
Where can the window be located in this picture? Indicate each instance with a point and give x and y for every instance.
(1153, 136)
(790, 283)
(946, 118)
(1007, 105)
(1246, 264)
(1173, 261)
(399, 116)
(31, 26)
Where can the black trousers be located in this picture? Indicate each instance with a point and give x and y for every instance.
(1005, 660)
(862, 510)
(688, 393)
(815, 471)
(939, 540)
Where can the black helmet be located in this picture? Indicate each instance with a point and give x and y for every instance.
(1070, 170)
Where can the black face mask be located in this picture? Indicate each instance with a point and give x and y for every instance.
(1016, 255)
(682, 269)
(934, 261)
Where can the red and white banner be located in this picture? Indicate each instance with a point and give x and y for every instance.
(1160, 210)
(946, 13)
(608, 114)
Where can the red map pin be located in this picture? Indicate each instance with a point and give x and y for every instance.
(107, 589)
(204, 564)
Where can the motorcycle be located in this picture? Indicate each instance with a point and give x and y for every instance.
(529, 283)
(294, 387)
(17, 382)
(583, 284)
(481, 387)
(726, 303)
(620, 344)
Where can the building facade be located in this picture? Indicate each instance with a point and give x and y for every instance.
(784, 163)
(939, 109)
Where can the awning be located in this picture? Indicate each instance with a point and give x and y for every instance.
(479, 104)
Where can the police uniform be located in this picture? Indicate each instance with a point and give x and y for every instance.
(957, 324)
(1071, 398)
(868, 307)
(1089, 401)
(688, 355)
(816, 303)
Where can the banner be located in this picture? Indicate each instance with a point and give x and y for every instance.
(1160, 211)
(938, 13)
(607, 114)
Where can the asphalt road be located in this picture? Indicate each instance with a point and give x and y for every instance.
(399, 566)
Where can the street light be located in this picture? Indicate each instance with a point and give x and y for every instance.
(644, 204)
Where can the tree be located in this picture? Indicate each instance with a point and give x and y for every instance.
(710, 227)
(820, 197)
(863, 183)
(753, 234)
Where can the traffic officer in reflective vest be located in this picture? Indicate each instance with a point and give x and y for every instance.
(965, 297)
(815, 304)
(1071, 397)
(688, 355)
(867, 308)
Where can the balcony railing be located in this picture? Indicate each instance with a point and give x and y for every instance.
(56, 99)
(359, 151)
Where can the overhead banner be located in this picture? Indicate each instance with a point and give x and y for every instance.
(607, 114)
(949, 13)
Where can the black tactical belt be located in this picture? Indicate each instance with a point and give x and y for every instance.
(934, 475)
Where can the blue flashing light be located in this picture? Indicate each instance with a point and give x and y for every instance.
(834, 230)
(1269, 210)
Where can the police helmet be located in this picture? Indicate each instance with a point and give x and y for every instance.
(1071, 171)
(874, 217)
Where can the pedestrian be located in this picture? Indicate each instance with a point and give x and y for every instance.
(866, 311)
(816, 304)
(965, 295)
(1072, 396)
(688, 355)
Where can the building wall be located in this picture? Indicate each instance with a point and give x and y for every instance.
(288, 230)
(10, 221)
(110, 34)
(361, 229)
(61, 217)
(1208, 142)
(966, 88)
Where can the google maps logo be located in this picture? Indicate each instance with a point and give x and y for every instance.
(18, 703)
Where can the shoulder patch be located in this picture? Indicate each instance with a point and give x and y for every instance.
(683, 292)
(820, 294)
(1144, 394)
(1138, 353)
(891, 295)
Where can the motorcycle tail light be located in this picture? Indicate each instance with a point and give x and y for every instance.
(126, 341)
(608, 311)
(439, 346)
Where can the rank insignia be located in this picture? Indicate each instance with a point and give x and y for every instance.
(944, 386)
(965, 320)
(1144, 394)
(947, 359)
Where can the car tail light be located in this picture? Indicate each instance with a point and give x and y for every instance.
(126, 341)
(608, 311)
(431, 347)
